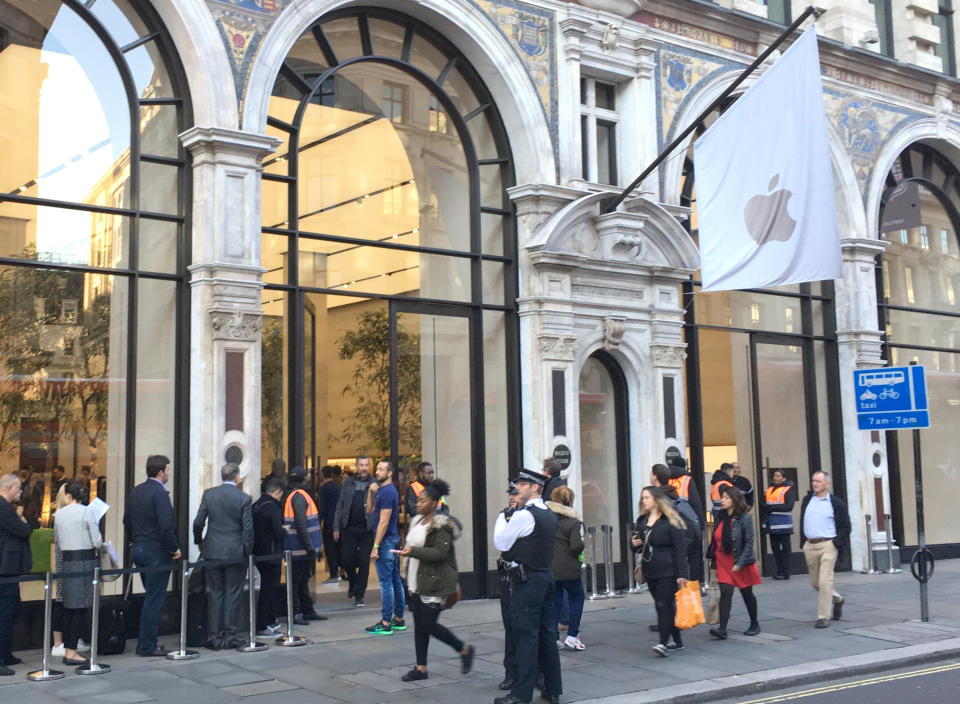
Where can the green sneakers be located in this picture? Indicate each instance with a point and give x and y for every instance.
(398, 624)
(380, 630)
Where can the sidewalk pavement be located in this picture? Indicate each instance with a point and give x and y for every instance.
(880, 630)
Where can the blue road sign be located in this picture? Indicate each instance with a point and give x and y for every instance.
(890, 398)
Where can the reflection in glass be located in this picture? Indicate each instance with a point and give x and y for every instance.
(496, 419)
(273, 379)
(598, 449)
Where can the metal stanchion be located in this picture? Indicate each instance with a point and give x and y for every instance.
(870, 566)
(183, 653)
(289, 640)
(608, 562)
(890, 564)
(253, 646)
(93, 667)
(634, 588)
(45, 673)
(594, 582)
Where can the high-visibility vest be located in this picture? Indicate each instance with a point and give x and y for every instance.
(291, 539)
(418, 488)
(715, 493)
(682, 485)
(782, 521)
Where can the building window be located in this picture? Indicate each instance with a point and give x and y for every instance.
(948, 288)
(788, 319)
(754, 313)
(886, 280)
(945, 241)
(924, 238)
(779, 11)
(438, 118)
(908, 280)
(945, 49)
(393, 102)
(884, 17)
(904, 237)
(598, 131)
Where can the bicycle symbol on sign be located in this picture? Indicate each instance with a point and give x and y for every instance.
(889, 393)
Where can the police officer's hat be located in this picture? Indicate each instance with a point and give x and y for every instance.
(528, 475)
(512, 488)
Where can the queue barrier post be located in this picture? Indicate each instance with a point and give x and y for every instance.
(891, 569)
(289, 640)
(93, 667)
(45, 674)
(871, 569)
(253, 646)
(183, 653)
(594, 581)
(633, 588)
(608, 563)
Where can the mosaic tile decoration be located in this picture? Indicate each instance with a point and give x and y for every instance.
(242, 24)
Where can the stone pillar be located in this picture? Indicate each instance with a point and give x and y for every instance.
(859, 341)
(225, 280)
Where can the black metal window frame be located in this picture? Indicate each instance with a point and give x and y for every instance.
(947, 193)
(310, 89)
(133, 272)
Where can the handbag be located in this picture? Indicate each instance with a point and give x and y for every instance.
(713, 604)
(638, 569)
(689, 606)
(197, 580)
(453, 598)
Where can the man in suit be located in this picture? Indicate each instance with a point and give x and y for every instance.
(15, 559)
(228, 513)
(148, 520)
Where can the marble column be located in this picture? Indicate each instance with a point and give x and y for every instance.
(225, 280)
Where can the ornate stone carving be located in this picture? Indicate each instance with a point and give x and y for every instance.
(557, 347)
(668, 355)
(228, 325)
(614, 326)
(611, 35)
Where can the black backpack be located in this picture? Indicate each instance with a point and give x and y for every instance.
(689, 515)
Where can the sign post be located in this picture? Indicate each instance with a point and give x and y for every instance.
(891, 398)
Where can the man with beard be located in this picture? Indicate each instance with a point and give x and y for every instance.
(354, 530)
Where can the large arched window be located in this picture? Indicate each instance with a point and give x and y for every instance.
(92, 249)
(918, 290)
(389, 249)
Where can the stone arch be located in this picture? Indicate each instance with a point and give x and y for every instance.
(851, 219)
(945, 137)
(200, 47)
(473, 33)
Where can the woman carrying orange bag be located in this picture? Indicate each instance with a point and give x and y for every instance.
(689, 606)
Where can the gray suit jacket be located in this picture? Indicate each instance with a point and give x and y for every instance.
(228, 513)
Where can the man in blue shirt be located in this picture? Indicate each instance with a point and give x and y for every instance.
(148, 520)
(386, 508)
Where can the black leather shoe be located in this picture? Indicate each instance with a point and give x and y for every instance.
(552, 698)
(414, 675)
(12, 660)
(507, 684)
(509, 699)
(654, 627)
(837, 609)
(75, 662)
(314, 617)
(753, 630)
(779, 577)
(158, 653)
(6, 671)
(466, 661)
(718, 634)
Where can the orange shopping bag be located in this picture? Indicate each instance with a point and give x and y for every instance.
(689, 606)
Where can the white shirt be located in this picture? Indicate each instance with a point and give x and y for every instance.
(818, 519)
(520, 525)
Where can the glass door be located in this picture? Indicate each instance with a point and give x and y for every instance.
(784, 426)
(432, 411)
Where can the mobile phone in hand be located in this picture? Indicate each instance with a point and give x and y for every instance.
(396, 552)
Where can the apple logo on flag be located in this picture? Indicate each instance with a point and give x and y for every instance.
(767, 217)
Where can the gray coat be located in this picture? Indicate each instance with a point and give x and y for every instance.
(228, 513)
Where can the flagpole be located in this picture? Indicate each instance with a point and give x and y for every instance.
(611, 205)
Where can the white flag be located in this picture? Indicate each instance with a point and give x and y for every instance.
(765, 198)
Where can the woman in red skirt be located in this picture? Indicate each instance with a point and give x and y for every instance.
(731, 553)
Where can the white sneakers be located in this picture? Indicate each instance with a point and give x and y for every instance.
(574, 643)
(82, 646)
(58, 651)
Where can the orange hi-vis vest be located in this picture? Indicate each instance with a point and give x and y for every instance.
(291, 539)
(779, 521)
(418, 488)
(682, 485)
(715, 493)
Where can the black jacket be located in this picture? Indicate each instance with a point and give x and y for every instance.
(664, 551)
(148, 516)
(15, 556)
(694, 562)
(267, 526)
(745, 487)
(299, 506)
(552, 483)
(567, 543)
(350, 485)
(841, 520)
(742, 533)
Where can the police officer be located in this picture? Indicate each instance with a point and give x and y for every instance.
(503, 574)
(528, 535)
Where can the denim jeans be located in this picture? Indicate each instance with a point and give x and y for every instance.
(573, 589)
(155, 588)
(391, 588)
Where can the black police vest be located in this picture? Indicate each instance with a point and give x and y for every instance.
(535, 551)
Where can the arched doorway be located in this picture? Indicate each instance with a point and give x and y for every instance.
(604, 448)
(389, 299)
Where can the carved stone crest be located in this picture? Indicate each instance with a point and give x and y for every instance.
(235, 325)
(614, 326)
(667, 355)
(557, 347)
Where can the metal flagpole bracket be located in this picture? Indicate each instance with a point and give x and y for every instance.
(253, 646)
(93, 667)
(614, 202)
(45, 674)
(289, 640)
(183, 653)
